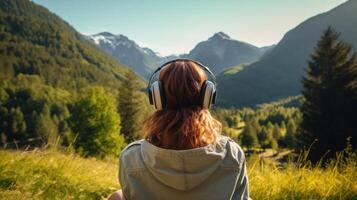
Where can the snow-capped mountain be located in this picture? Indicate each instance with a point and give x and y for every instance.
(141, 59)
(219, 52)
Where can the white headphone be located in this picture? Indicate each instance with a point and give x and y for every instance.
(156, 93)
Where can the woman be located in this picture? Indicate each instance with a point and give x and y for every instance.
(183, 154)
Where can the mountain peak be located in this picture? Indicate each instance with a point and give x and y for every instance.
(112, 40)
(104, 34)
(220, 35)
(123, 38)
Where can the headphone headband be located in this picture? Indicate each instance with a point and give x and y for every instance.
(156, 92)
(183, 59)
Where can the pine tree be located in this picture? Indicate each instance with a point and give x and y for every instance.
(17, 125)
(249, 137)
(330, 103)
(283, 129)
(45, 127)
(263, 135)
(272, 143)
(129, 107)
(290, 137)
(276, 132)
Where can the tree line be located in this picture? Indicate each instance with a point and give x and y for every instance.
(268, 126)
(95, 120)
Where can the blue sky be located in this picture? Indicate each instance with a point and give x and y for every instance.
(176, 26)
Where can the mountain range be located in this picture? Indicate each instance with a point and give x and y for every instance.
(34, 41)
(219, 52)
(278, 74)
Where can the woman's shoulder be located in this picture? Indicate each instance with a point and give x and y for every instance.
(235, 153)
(132, 145)
(132, 152)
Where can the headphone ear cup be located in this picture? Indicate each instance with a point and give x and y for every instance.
(150, 97)
(207, 92)
(157, 94)
(214, 97)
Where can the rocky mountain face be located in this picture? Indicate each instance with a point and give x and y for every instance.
(221, 52)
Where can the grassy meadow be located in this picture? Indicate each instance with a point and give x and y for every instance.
(54, 175)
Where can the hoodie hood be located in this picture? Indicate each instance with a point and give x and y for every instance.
(183, 169)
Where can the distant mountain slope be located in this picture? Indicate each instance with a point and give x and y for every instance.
(35, 41)
(142, 60)
(266, 50)
(229, 72)
(279, 72)
(221, 52)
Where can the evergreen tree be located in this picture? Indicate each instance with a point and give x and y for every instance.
(249, 137)
(282, 129)
(272, 143)
(3, 139)
(46, 128)
(330, 103)
(129, 107)
(290, 137)
(97, 124)
(270, 126)
(276, 132)
(269, 136)
(262, 135)
(15, 125)
(255, 124)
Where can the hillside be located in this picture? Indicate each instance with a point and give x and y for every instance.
(46, 67)
(229, 72)
(35, 41)
(278, 73)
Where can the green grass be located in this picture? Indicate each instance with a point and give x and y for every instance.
(337, 180)
(54, 175)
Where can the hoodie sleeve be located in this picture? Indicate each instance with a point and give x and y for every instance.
(124, 166)
(242, 185)
(123, 179)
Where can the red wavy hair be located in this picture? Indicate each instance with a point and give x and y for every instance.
(182, 124)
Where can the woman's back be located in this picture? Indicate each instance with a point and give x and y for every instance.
(183, 154)
(212, 172)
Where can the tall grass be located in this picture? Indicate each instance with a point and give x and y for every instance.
(336, 179)
(54, 175)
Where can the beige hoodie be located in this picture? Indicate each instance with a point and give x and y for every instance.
(211, 172)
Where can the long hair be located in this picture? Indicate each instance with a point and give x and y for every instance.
(182, 124)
